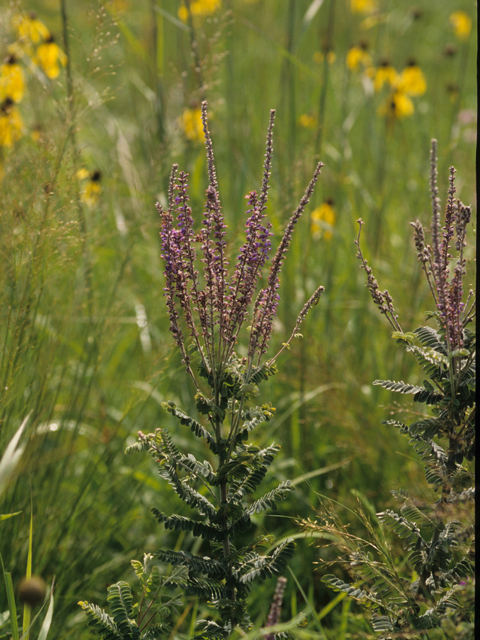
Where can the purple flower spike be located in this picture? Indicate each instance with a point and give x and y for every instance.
(214, 314)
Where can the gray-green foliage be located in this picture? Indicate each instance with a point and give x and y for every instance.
(146, 619)
(224, 579)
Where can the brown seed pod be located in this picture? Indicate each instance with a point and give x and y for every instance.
(32, 591)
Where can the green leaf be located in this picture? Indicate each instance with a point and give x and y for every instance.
(263, 567)
(339, 585)
(408, 338)
(47, 622)
(6, 516)
(121, 608)
(207, 407)
(403, 529)
(101, 622)
(212, 631)
(206, 588)
(180, 523)
(195, 426)
(270, 499)
(189, 495)
(399, 387)
(195, 564)
(431, 338)
(11, 602)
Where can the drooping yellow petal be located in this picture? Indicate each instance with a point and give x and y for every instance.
(28, 27)
(199, 8)
(91, 193)
(49, 57)
(191, 124)
(307, 121)
(384, 74)
(398, 105)
(322, 221)
(11, 123)
(363, 6)
(91, 188)
(462, 24)
(12, 80)
(319, 57)
(357, 56)
(412, 81)
(82, 174)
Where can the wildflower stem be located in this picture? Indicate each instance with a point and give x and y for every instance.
(382, 299)
(68, 67)
(197, 68)
(301, 317)
(326, 71)
(76, 154)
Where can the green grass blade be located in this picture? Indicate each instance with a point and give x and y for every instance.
(27, 609)
(5, 516)
(309, 605)
(48, 619)
(11, 601)
(331, 605)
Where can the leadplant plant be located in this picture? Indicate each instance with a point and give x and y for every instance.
(430, 585)
(208, 309)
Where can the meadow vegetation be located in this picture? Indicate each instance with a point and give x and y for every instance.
(97, 101)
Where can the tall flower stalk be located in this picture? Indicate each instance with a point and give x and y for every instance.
(207, 307)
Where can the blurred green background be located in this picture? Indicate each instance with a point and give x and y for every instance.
(86, 349)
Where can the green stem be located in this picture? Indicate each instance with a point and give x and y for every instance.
(76, 155)
(156, 72)
(323, 94)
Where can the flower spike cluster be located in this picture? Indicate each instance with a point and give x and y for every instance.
(213, 304)
(445, 280)
(268, 298)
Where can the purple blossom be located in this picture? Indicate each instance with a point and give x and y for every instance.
(276, 606)
(267, 301)
(448, 286)
(215, 307)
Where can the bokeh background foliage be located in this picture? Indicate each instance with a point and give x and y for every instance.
(84, 333)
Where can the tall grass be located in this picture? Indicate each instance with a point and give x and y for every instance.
(84, 333)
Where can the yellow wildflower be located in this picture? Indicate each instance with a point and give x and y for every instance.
(191, 123)
(91, 188)
(12, 80)
(373, 21)
(323, 220)
(36, 133)
(411, 80)
(356, 56)
(11, 123)
(398, 105)
(28, 27)
(307, 121)
(461, 23)
(82, 174)
(363, 6)
(384, 74)
(319, 57)
(49, 57)
(119, 6)
(199, 8)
